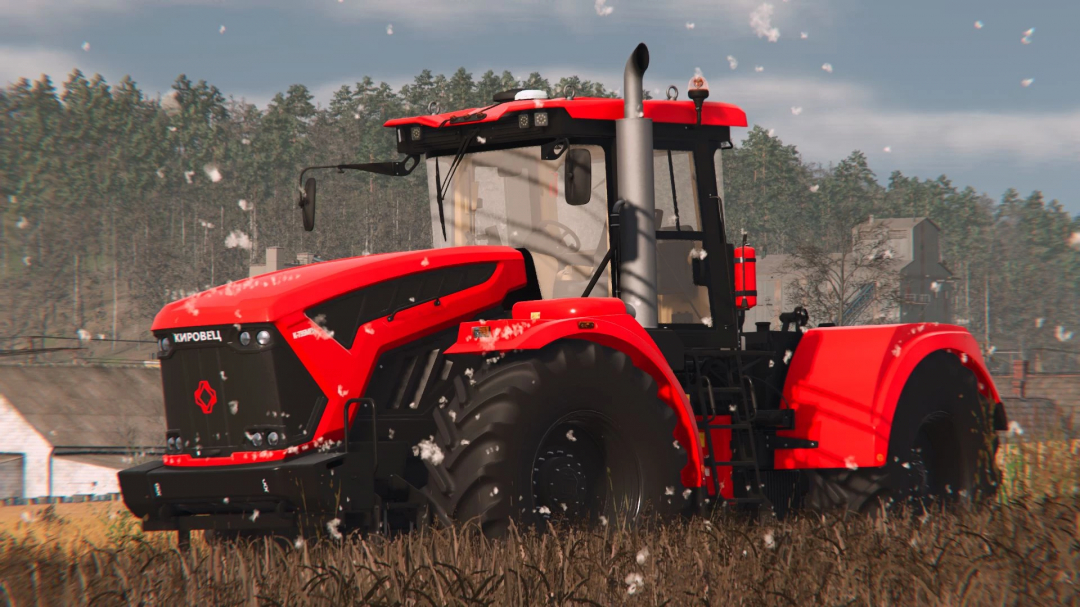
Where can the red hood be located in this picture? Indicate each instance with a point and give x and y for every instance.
(269, 297)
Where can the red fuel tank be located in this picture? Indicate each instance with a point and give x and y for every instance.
(745, 277)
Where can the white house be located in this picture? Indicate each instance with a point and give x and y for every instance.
(67, 430)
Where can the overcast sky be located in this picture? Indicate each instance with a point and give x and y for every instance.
(915, 84)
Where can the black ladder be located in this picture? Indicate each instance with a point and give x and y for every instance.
(738, 401)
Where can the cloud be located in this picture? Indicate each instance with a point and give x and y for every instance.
(849, 116)
(31, 63)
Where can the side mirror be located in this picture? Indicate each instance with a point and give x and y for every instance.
(307, 204)
(578, 180)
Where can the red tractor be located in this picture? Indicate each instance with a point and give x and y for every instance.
(573, 347)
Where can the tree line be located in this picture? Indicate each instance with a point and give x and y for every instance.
(115, 203)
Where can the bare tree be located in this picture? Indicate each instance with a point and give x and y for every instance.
(847, 284)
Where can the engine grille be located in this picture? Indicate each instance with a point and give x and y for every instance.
(218, 393)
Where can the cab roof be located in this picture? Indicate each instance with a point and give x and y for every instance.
(591, 108)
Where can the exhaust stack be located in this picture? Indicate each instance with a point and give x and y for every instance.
(635, 165)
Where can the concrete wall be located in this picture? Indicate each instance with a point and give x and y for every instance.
(72, 477)
(18, 436)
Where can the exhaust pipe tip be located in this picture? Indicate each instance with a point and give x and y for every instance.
(633, 94)
(640, 59)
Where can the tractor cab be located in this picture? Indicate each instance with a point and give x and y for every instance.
(542, 175)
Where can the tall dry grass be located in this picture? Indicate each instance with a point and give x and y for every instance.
(1022, 550)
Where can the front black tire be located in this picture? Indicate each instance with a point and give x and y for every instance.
(942, 447)
(572, 430)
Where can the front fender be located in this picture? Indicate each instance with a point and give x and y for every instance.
(530, 329)
(845, 383)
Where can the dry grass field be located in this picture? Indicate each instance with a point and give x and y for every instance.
(1022, 550)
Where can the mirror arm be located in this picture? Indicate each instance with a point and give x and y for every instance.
(392, 169)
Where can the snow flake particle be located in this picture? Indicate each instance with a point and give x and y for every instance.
(469, 372)
(1061, 334)
(849, 463)
(245, 205)
(223, 378)
(237, 239)
(603, 520)
(732, 62)
(494, 491)
(480, 140)
(602, 9)
(187, 174)
(1027, 36)
(390, 29)
(787, 356)
(563, 506)
(686, 494)
(689, 25)
(254, 515)
(642, 555)
(453, 415)
(978, 25)
(1039, 322)
(424, 262)
(707, 321)
(759, 69)
(221, 30)
(827, 67)
(796, 110)
(332, 528)
(814, 189)
(1074, 240)
(234, 406)
(770, 541)
(341, 391)
(896, 350)
(675, 444)
(429, 451)
(761, 22)
(669, 490)
(413, 405)
(804, 35)
(544, 510)
(86, 46)
(570, 436)
(299, 543)
(1027, 82)
(634, 583)
(212, 173)
(464, 442)
(887, 149)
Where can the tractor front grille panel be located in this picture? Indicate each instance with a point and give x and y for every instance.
(218, 396)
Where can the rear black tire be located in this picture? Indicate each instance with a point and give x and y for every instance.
(942, 447)
(573, 430)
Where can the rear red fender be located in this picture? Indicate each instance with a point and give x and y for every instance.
(535, 324)
(844, 384)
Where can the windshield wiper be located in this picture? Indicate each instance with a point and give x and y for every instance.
(440, 186)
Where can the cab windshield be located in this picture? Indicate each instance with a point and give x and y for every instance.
(514, 198)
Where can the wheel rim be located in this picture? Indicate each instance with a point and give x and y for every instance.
(584, 469)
